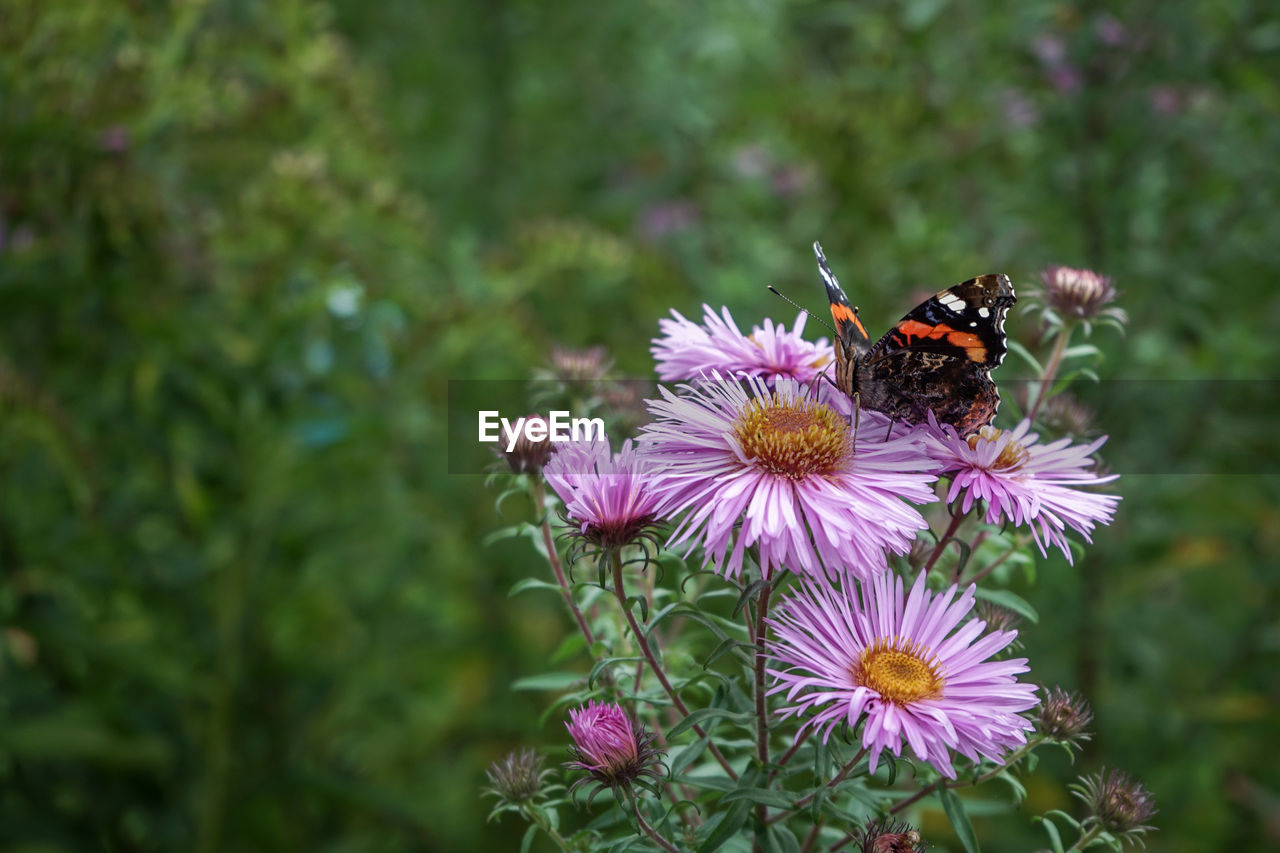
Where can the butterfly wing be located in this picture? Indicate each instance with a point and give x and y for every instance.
(939, 357)
(852, 340)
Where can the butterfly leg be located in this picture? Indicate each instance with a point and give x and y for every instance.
(854, 417)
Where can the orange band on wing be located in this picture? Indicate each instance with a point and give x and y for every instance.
(843, 314)
(967, 341)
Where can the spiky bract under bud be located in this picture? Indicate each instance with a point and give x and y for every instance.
(888, 836)
(614, 751)
(1064, 716)
(1119, 804)
(517, 776)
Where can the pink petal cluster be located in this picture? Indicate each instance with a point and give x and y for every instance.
(823, 634)
(604, 737)
(611, 497)
(1032, 484)
(686, 350)
(844, 518)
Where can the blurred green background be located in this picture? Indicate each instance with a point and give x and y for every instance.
(245, 244)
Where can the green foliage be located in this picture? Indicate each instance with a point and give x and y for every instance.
(244, 245)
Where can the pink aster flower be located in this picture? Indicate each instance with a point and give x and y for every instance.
(1026, 482)
(777, 470)
(898, 665)
(610, 748)
(687, 351)
(610, 497)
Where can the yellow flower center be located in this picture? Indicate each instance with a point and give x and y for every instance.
(1012, 457)
(793, 437)
(899, 670)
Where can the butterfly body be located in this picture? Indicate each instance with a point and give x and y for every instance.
(936, 359)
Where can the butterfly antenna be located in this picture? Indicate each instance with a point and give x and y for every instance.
(801, 308)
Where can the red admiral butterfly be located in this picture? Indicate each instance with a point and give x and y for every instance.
(937, 359)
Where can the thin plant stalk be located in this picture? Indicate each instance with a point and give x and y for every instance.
(621, 593)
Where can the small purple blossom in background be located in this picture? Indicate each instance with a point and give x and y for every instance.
(891, 661)
(610, 497)
(1049, 49)
(1019, 110)
(114, 139)
(1165, 100)
(776, 470)
(1110, 31)
(1076, 294)
(665, 218)
(687, 351)
(607, 745)
(1032, 484)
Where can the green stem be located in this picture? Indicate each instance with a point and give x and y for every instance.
(540, 501)
(1088, 836)
(649, 830)
(1051, 369)
(956, 518)
(1013, 549)
(811, 837)
(540, 819)
(762, 706)
(621, 593)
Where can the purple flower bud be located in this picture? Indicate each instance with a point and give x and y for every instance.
(1064, 716)
(1118, 803)
(517, 776)
(614, 752)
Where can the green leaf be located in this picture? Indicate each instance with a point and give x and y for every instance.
(1019, 791)
(532, 583)
(1025, 354)
(762, 796)
(729, 825)
(954, 807)
(726, 646)
(688, 755)
(1010, 600)
(1051, 829)
(698, 717)
(548, 681)
(641, 600)
(526, 842)
(1081, 350)
(569, 646)
(778, 839)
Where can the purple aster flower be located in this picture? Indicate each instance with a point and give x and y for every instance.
(688, 351)
(1026, 482)
(892, 662)
(610, 497)
(610, 748)
(777, 470)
